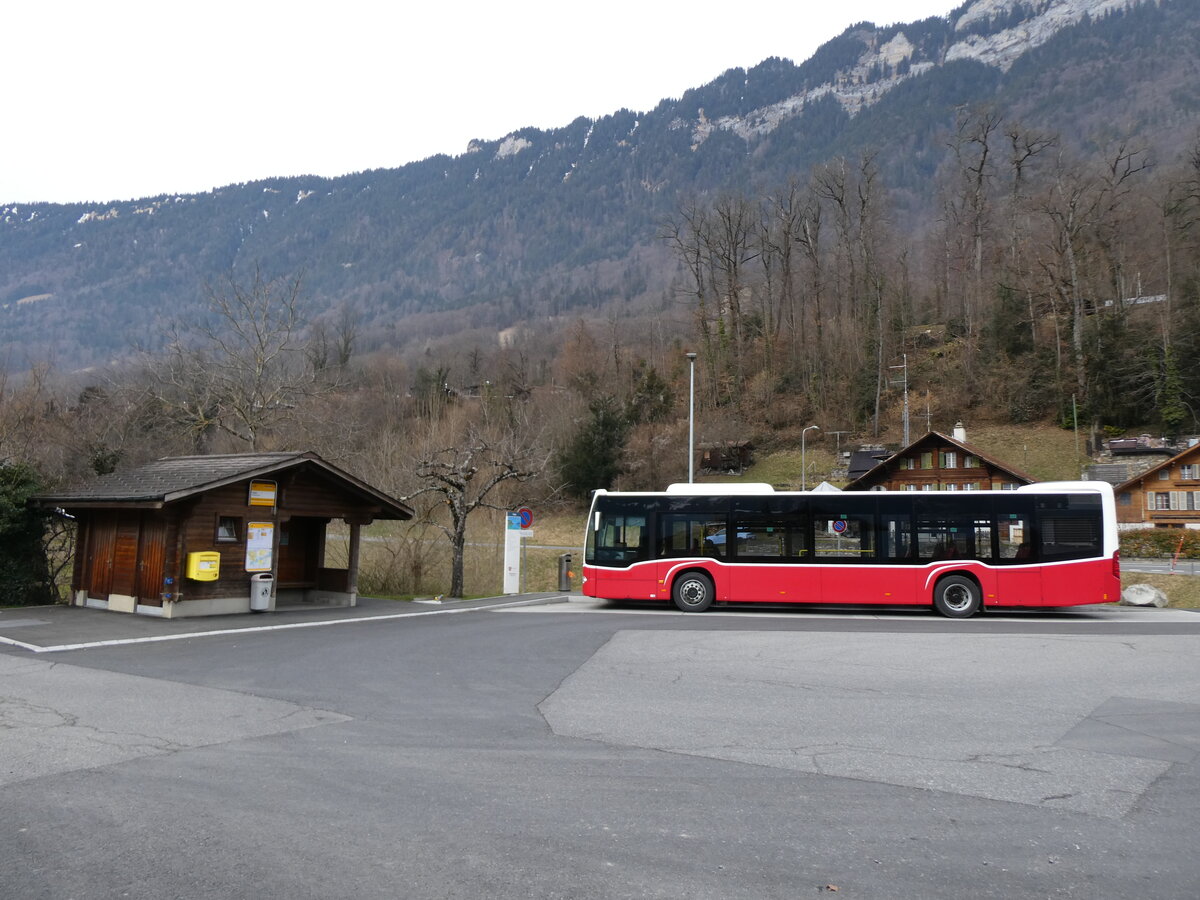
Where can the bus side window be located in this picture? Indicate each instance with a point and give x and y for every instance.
(897, 538)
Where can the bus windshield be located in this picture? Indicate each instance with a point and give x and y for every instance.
(618, 535)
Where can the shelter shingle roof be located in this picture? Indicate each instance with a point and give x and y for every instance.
(176, 477)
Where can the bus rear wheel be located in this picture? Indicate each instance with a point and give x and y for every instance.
(693, 592)
(957, 597)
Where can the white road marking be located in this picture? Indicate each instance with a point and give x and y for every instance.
(1037, 616)
(86, 645)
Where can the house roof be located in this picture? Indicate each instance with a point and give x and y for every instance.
(863, 461)
(1166, 463)
(936, 437)
(174, 478)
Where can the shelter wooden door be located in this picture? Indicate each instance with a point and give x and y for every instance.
(125, 553)
(102, 534)
(152, 552)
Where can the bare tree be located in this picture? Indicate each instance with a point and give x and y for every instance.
(246, 369)
(461, 466)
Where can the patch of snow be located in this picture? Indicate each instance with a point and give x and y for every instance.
(303, 195)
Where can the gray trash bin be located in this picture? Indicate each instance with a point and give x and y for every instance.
(564, 572)
(260, 591)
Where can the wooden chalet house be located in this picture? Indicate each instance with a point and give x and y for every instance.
(208, 535)
(940, 462)
(1166, 495)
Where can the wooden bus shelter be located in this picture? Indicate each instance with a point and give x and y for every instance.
(211, 535)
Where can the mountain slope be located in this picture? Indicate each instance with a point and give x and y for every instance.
(548, 222)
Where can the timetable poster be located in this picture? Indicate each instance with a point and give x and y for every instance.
(260, 539)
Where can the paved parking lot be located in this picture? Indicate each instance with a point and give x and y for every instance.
(575, 749)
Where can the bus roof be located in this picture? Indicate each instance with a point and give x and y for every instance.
(733, 489)
(720, 488)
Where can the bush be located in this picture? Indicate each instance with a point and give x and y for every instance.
(1149, 543)
(24, 576)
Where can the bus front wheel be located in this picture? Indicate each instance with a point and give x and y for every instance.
(957, 597)
(693, 592)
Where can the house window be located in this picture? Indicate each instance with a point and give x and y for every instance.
(927, 459)
(949, 459)
(970, 462)
(1125, 499)
(1164, 474)
(1188, 473)
(228, 529)
(1162, 500)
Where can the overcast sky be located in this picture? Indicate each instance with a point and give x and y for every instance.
(130, 98)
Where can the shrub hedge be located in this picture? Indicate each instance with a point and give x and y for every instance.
(1150, 543)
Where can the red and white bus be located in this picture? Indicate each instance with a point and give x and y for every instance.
(1049, 544)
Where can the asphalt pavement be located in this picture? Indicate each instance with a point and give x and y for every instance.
(571, 748)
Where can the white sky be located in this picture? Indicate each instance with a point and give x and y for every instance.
(128, 98)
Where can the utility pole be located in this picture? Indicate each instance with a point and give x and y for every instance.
(838, 439)
(904, 381)
(804, 455)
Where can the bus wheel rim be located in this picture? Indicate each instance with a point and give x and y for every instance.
(957, 597)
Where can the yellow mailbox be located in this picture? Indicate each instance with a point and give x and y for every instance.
(204, 565)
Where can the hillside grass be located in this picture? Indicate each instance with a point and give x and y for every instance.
(1183, 591)
(1045, 452)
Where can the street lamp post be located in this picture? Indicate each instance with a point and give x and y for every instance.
(691, 357)
(803, 456)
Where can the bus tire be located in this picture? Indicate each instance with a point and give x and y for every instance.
(693, 592)
(957, 597)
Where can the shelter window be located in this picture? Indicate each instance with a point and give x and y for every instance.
(228, 529)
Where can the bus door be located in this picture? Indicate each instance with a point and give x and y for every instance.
(1018, 579)
(845, 551)
(772, 551)
(897, 549)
